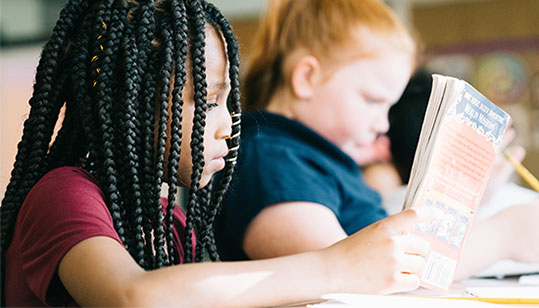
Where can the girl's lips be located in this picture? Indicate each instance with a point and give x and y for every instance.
(218, 163)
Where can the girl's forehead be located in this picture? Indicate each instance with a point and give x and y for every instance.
(368, 43)
(215, 59)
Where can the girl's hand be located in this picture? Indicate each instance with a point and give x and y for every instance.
(502, 171)
(520, 231)
(382, 258)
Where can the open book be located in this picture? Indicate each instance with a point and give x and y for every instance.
(459, 140)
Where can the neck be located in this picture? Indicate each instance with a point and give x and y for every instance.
(282, 103)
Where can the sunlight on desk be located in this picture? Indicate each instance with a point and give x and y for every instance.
(506, 292)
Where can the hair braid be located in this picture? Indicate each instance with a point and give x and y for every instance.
(38, 127)
(82, 101)
(67, 131)
(148, 67)
(105, 95)
(180, 55)
(194, 11)
(130, 125)
(165, 78)
(207, 237)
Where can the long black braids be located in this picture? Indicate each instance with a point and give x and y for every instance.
(112, 64)
(148, 65)
(32, 144)
(196, 21)
(180, 55)
(104, 70)
(130, 146)
(164, 81)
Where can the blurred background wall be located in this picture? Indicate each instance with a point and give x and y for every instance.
(493, 44)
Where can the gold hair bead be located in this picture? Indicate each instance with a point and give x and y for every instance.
(235, 115)
(235, 135)
(234, 148)
(237, 122)
(95, 58)
(231, 160)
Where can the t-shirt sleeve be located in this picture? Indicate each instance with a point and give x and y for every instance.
(58, 213)
(288, 176)
(269, 175)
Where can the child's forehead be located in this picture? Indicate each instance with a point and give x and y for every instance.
(367, 42)
(215, 58)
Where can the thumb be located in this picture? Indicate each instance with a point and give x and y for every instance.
(406, 220)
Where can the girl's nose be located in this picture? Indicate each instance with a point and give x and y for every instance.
(225, 124)
(381, 124)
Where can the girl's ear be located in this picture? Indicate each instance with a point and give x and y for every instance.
(305, 75)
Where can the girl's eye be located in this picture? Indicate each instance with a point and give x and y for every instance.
(373, 101)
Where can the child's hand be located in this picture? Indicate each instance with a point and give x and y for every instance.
(521, 232)
(502, 168)
(382, 258)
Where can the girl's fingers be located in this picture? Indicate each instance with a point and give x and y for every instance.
(411, 244)
(406, 282)
(412, 264)
(406, 220)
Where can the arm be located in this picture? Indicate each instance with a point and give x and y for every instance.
(510, 234)
(112, 278)
(379, 259)
(291, 227)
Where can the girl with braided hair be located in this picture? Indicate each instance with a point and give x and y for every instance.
(147, 93)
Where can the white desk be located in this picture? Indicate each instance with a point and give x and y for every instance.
(458, 289)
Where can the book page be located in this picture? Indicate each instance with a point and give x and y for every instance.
(462, 150)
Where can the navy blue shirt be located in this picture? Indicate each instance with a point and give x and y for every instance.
(282, 160)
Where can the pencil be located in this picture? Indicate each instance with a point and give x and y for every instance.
(524, 173)
(495, 300)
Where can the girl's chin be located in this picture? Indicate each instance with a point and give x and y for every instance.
(210, 170)
(216, 165)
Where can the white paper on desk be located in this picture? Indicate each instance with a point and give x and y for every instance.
(504, 292)
(508, 267)
(362, 300)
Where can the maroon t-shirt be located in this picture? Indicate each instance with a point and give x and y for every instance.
(64, 208)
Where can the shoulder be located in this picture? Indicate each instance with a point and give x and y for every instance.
(266, 134)
(65, 207)
(63, 194)
(65, 180)
(65, 184)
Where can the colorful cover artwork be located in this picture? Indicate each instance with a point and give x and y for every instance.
(456, 175)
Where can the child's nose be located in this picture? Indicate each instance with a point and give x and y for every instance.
(381, 125)
(225, 125)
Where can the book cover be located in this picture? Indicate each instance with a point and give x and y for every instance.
(459, 141)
